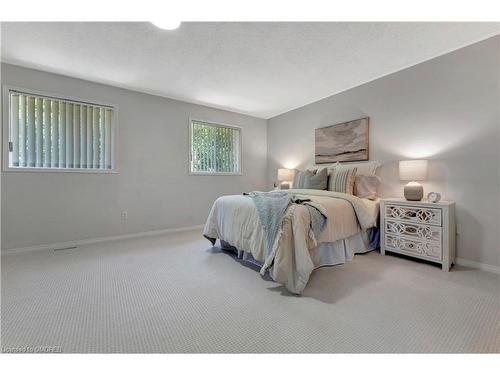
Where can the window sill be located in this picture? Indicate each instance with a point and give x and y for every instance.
(214, 174)
(59, 170)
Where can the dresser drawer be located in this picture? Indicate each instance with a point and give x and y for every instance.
(426, 250)
(420, 215)
(417, 232)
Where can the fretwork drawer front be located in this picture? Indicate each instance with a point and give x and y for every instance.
(419, 229)
(427, 250)
(421, 215)
(417, 232)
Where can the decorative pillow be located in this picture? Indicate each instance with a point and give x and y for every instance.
(366, 168)
(342, 180)
(318, 181)
(366, 186)
(332, 167)
(300, 177)
(328, 166)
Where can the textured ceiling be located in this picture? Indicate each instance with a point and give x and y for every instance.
(261, 69)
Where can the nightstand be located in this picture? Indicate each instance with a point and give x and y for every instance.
(419, 229)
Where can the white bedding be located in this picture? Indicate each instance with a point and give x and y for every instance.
(234, 219)
(328, 253)
(373, 207)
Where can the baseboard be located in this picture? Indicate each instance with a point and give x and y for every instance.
(481, 266)
(91, 241)
(159, 232)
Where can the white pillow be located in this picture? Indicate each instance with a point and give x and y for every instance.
(366, 186)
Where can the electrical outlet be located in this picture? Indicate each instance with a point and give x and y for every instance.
(124, 215)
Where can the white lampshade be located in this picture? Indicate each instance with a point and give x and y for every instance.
(413, 170)
(285, 174)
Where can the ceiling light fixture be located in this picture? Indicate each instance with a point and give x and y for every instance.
(167, 24)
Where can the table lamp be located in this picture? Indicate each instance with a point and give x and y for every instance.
(285, 176)
(413, 171)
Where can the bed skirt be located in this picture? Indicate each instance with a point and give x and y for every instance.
(328, 253)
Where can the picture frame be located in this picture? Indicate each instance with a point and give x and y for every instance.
(344, 142)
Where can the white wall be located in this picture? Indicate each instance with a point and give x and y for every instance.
(446, 110)
(153, 184)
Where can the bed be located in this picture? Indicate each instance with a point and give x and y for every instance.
(351, 228)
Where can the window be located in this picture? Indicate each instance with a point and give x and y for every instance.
(215, 148)
(47, 133)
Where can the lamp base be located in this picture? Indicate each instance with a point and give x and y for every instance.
(413, 191)
(284, 186)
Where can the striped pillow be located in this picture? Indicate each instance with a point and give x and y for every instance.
(342, 180)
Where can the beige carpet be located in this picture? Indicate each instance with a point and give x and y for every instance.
(177, 294)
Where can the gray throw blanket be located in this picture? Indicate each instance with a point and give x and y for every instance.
(271, 208)
(318, 220)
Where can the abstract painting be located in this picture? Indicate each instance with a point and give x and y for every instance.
(347, 141)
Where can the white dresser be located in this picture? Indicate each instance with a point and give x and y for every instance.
(419, 229)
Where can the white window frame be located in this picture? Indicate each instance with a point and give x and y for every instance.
(222, 125)
(6, 131)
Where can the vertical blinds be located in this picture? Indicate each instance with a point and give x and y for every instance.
(54, 133)
(215, 148)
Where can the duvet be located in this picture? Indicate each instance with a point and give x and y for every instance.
(234, 219)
